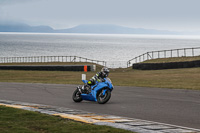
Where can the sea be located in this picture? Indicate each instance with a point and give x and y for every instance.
(115, 49)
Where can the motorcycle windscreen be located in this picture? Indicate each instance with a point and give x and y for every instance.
(85, 81)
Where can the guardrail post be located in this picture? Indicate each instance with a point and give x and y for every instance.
(177, 52)
(165, 54)
(171, 53)
(65, 58)
(193, 52)
(184, 52)
(152, 54)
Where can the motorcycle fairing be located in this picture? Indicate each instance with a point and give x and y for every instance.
(85, 81)
(94, 90)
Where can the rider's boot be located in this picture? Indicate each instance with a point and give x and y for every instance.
(88, 89)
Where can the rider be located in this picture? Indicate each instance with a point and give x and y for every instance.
(98, 77)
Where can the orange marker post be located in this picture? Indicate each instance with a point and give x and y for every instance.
(85, 68)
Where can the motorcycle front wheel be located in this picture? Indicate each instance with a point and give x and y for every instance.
(101, 99)
(77, 96)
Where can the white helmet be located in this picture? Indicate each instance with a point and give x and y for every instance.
(105, 71)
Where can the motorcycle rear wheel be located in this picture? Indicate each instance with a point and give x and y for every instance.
(103, 99)
(77, 96)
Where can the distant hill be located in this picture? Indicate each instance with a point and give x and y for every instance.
(19, 27)
(86, 28)
(112, 29)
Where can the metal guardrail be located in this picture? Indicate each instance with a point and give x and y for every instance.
(37, 59)
(183, 52)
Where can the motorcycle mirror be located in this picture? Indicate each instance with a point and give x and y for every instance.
(83, 76)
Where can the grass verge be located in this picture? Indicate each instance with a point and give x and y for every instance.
(173, 59)
(186, 78)
(21, 121)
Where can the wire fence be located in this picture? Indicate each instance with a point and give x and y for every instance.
(183, 52)
(43, 59)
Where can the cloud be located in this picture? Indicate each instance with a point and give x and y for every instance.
(158, 14)
(14, 2)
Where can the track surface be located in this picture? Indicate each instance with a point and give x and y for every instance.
(178, 107)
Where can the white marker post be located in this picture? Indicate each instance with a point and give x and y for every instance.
(83, 76)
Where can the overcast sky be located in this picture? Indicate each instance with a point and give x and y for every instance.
(177, 15)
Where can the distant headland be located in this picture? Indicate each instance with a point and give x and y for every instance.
(88, 28)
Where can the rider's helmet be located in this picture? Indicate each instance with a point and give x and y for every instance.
(105, 71)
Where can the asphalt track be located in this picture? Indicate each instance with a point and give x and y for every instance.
(171, 106)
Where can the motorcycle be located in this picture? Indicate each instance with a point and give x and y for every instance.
(100, 92)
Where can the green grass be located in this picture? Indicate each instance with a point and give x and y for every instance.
(21, 121)
(171, 78)
(174, 59)
(186, 78)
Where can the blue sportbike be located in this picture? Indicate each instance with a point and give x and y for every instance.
(100, 92)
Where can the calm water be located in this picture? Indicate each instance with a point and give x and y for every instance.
(115, 49)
